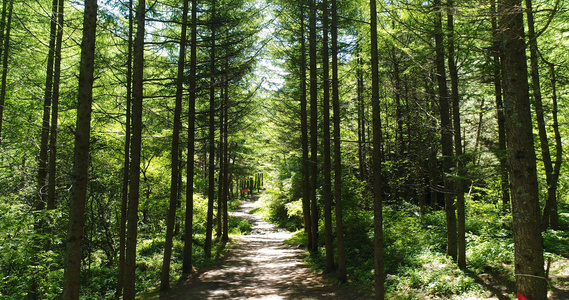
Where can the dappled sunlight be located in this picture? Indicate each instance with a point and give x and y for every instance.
(259, 266)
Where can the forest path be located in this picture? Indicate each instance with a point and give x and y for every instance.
(259, 266)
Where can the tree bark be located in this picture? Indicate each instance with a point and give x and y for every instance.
(175, 155)
(188, 229)
(502, 155)
(528, 249)
(136, 146)
(376, 167)
(126, 163)
(72, 272)
(304, 134)
(553, 214)
(459, 183)
(342, 268)
(45, 126)
(5, 56)
(313, 127)
(327, 188)
(211, 163)
(51, 197)
(446, 133)
(542, 131)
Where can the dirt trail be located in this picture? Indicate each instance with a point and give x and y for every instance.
(259, 266)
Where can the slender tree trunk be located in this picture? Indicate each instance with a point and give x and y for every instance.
(553, 214)
(376, 167)
(175, 166)
(5, 56)
(327, 188)
(72, 272)
(304, 134)
(226, 180)
(126, 166)
(221, 160)
(136, 146)
(502, 155)
(54, 114)
(459, 183)
(2, 92)
(48, 93)
(543, 140)
(342, 268)
(188, 230)
(211, 163)
(362, 147)
(528, 249)
(313, 127)
(446, 133)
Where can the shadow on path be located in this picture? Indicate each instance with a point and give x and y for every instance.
(259, 266)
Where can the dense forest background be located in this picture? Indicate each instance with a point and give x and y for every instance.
(416, 146)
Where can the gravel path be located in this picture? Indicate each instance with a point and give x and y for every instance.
(259, 266)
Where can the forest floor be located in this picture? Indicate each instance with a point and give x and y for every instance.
(259, 266)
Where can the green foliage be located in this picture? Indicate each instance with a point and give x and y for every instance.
(278, 203)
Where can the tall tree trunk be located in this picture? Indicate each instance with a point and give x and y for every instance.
(3, 91)
(362, 146)
(313, 127)
(221, 160)
(126, 162)
(543, 140)
(553, 214)
(175, 165)
(136, 146)
(188, 230)
(72, 273)
(225, 195)
(45, 126)
(211, 163)
(446, 133)
(5, 55)
(304, 133)
(51, 197)
(459, 183)
(376, 167)
(528, 249)
(502, 155)
(327, 188)
(342, 268)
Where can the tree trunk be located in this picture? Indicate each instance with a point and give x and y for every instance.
(342, 268)
(5, 56)
(136, 146)
(376, 167)
(304, 135)
(327, 187)
(543, 140)
(175, 166)
(72, 273)
(225, 194)
(528, 249)
(51, 197)
(188, 234)
(221, 160)
(313, 127)
(45, 126)
(446, 133)
(126, 165)
(211, 163)
(553, 214)
(502, 155)
(459, 183)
